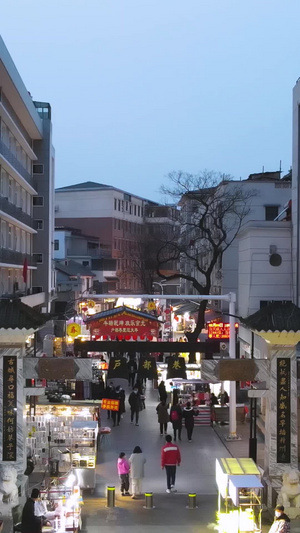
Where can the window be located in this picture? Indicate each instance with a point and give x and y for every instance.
(86, 263)
(37, 169)
(10, 244)
(127, 197)
(56, 244)
(38, 201)
(130, 209)
(135, 210)
(115, 204)
(139, 210)
(126, 206)
(38, 258)
(271, 212)
(3, 233)
(37, 290)
(38, 224)
(119, 205)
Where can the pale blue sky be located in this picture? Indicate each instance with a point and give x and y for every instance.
(139, 88)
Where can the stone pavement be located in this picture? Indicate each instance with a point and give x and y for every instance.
(197, 473)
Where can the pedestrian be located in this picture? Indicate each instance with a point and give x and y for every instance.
(132, 371)
(188, 414)
(136, 461)
(141, 390)
(213, 399)
(163, 416)
(109, 392)
(163, 395)
(30, 522)
(135, 405)
(281, 522)
(176, 419)
(123, 471)
(170, 458)
(118, 394)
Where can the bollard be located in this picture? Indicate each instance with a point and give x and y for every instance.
(111, 496)
(149, 500)
(192, 501)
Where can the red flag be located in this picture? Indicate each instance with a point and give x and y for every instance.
(25, 270)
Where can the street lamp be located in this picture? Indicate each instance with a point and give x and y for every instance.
(160, 284)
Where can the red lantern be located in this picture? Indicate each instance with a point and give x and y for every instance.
(176, 318)
(142, 337)
(150, 337)
(113, 337)
(105, 337)
(134, 337)
(120, 337)
(84, 309)
(127, 337)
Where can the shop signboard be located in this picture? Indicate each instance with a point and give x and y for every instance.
(110, 405)
(176, 368)
(9, 443)
(117, 368)
(283, 410)
(124, 325)
(219, 330)
(147, 368)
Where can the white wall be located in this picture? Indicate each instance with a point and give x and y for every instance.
(60, 236)
(295, 191)
(257, 279)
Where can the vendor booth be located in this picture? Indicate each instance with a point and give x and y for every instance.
(239, 495)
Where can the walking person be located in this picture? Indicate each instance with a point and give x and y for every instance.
(176, 420)
(163, 416)
(188, 414)
(109, 392)
(137, 461)
(163, 395)
(118, 394)
(135, 405)
(170, 459)
(281, 522)
(123, 471)
(132, 371)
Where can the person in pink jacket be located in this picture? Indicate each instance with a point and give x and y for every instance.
(123, 471)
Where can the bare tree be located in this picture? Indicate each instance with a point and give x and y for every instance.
(212, 211)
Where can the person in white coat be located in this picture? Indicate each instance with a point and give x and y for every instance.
(136, 461)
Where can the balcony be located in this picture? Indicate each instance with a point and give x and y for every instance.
(9, 156)
(15, 258)
(15, 212)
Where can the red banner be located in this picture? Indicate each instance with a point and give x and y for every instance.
(110, 405)
(124, 325)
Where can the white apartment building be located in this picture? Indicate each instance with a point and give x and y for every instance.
(26, 190)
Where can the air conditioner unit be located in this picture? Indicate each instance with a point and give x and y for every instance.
(272, 249)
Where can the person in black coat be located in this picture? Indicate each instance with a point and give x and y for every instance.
(132, 371)
(109, 393)
(176, 419)
(188, 414)
(118, 394)
(30, 522)
(163, 395)
(135, 405)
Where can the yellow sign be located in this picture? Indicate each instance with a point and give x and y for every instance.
(91, 303)
(73, 330)
(151, 306)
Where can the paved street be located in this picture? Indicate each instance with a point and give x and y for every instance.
(197, 473)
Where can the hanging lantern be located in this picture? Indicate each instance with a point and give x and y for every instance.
(142, 337)
(113, 337)
(105, 337)
(150, 337)
(120, 337)
(84, 309)
(127, 337)
(134, 337)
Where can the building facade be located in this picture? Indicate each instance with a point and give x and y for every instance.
(26, 191)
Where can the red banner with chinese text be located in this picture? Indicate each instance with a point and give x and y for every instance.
(110, 405)
(124, 325)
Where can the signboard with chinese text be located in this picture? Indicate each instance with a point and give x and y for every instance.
(117, 368)
(9, 441)
(125, 325)
(110, 405)
(219, 330)
(176, 368)
(73, 330)
(283, 410)
(147, 368)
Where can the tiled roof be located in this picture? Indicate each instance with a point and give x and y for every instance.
(276, 316)
(86, 185)
(73, 268)
(14, 314)
(122, 309)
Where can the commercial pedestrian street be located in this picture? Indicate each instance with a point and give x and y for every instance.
(196, 474)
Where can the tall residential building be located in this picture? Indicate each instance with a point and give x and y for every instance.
(26, 191)
(114, 216)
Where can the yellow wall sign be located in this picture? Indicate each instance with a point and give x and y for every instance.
(73, 330)
(91, 304)
(151, 306)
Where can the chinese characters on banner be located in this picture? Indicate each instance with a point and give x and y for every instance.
(124, 323)
(283, 410)
(9, 408)
(176, 368)
(117, 368)
(110, 405)
(147, 368)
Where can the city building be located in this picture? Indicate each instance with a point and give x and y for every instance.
(26, 191)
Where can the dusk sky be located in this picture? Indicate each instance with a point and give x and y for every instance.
(139, 88)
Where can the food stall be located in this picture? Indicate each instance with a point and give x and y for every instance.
(61, 506)
(239, 495)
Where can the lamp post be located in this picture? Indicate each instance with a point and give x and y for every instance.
(160, 284)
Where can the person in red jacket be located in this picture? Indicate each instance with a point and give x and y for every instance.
(170, 458)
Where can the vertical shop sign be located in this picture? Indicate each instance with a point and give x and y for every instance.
(283, 410)
(147, 368)
(9, 408)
